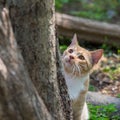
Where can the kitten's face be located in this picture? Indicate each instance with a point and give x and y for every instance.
(78, 61)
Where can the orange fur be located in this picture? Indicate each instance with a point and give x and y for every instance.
(77, 63)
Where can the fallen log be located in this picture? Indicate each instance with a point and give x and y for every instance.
(96, 98)
(94, 31)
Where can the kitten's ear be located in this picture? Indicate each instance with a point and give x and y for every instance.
(96, 55)
(74, 40)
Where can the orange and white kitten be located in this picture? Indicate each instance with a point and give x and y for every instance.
(77, 63)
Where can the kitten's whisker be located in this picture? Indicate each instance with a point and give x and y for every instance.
(73, 69)
(78, 69)
(81, 68)
(82, 65)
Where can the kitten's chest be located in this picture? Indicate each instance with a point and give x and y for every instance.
(76, 85)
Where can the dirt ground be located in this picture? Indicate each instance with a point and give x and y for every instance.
(106, 76)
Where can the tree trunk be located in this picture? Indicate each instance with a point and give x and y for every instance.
(33, 24)
(19, 99)
(67, 107)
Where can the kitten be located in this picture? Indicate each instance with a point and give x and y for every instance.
(77, 63)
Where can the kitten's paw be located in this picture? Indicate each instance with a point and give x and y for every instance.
(85, 113)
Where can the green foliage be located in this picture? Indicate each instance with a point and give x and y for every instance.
(106, 47)
(102, 112)
(94, 9)
(112, 71)
(118, 52)
(62, 48)
(118, 95)
(64, 43)
(90, 15)
(59, 3)
(97, 9)
(92, 88)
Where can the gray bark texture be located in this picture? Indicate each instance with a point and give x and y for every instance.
(33, 25)
(66, 103)
(19, 99)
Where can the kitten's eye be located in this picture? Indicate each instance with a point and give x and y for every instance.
(81, 57)
(70, 50)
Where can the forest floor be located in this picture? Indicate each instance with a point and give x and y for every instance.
(106, 76)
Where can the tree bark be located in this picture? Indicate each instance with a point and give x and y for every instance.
(33, 22)
(67, 106)
(19, 99)
(34, 29)
(98, 32)
(33, 25)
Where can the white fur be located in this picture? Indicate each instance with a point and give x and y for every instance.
(85, 113)
(75, 85)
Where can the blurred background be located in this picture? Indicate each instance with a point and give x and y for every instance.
(105, 78)
(108, 10)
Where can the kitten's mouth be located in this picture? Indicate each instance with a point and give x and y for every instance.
(68, 61)
(72, 68)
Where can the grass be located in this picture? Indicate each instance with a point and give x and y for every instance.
(92, 88)
(118, 96)
(102, 112)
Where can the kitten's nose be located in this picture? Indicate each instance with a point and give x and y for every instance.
(71, 57)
